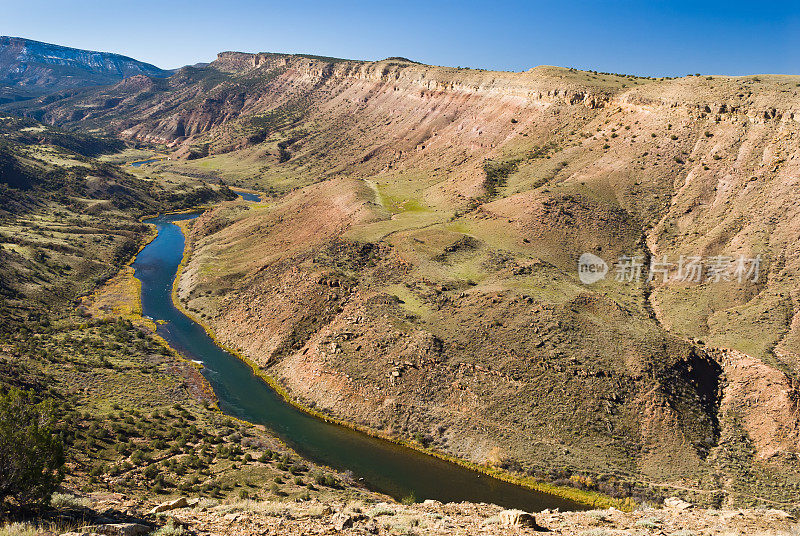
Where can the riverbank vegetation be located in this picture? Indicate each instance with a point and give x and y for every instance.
(114, 408)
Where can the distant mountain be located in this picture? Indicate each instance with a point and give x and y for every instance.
(30, 68)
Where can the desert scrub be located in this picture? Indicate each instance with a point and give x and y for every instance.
(496, 174)
(407, 523)
(69, 501)
(596, 516)
(330, 481)
(18, 529)
(267, 508)
(649, 523)
(409, 499)
(381, 510)
(170, 529)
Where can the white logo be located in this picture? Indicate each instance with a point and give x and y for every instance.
(591, 268)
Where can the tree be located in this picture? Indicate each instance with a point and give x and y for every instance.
(31, 451)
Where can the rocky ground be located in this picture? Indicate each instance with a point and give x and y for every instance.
(208, 517)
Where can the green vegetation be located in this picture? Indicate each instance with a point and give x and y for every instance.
(496, 174)
(281, 118)
(141, 419)
(170, 529)
(31, 452)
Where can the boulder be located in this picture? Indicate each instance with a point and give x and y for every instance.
(518, 519)
(342, 521)
(182, 502)
(123, 529)
(676, 503)
(112, 529)
(779, 514)
(371, 526)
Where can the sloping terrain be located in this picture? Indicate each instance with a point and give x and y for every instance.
(138, 421)
(30, 68)
(67, 218)
(415, 271)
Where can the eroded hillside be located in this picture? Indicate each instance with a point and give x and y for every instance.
(415, 270)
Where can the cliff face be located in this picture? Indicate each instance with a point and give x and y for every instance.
(238, 86)
(35, 67)
(429, 288)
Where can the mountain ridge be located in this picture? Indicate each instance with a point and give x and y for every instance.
(29, 67)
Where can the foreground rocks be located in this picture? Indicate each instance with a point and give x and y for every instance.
(115, 529)
(181, 502)
(518, 518)
(245, 518)
(674, 502)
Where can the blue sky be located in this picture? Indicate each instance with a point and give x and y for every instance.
(647, 38)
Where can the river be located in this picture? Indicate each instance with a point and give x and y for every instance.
(383, 466)
(150, 161)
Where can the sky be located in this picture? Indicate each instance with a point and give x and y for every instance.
(648, 38)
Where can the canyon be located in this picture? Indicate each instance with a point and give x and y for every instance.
(412, 269)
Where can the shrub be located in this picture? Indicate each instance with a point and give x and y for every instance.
(648, 523)
(31, 453)
(150, 472)
(170, 529)
(19, 529)
(68, 501)
(381, 510)
(327, 480)
(496, 174)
